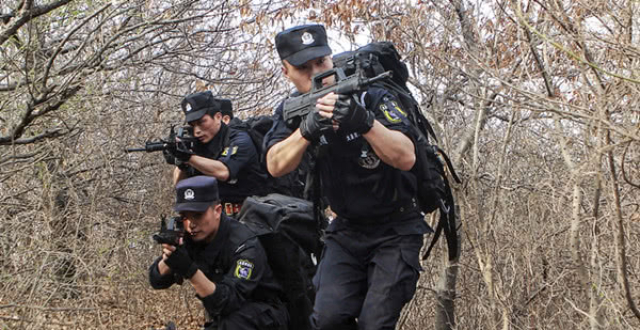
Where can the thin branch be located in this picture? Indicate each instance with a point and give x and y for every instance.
(27, 14)
(624, 172)
(622, 249)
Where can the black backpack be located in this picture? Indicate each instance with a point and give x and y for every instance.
(434, 190)
(257, 127)
(287, 229)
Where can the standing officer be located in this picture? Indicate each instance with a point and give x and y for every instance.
(370, 264)
(220, 151)
(224, 262)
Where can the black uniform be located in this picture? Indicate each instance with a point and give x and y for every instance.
(236, 150)
(246, 295)
(370, 263)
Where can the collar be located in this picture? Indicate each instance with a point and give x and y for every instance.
(217, 144)
(212, 249)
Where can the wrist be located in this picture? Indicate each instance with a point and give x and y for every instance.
(193, 269)
(185, 158)
(305, 136)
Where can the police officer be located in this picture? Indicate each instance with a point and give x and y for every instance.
(223, 261)
(220, 151)
(370, 263)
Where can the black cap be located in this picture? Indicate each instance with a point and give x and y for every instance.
(302, 43)
(226, 108)
(197, 105)
(196, 193)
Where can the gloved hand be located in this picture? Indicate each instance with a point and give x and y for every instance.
(180, 263)
(313, 126)
(182, 152)
(169, 157)
(352, 116)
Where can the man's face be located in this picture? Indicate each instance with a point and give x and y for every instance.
(301, 75)
(206, 128)
(202, 226)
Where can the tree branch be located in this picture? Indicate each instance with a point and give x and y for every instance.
(27, 14)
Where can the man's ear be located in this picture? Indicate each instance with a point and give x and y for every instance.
(217, 209)
(217, 115)
(285, 70)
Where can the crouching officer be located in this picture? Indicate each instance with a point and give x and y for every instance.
(223, 261)
(220, 151)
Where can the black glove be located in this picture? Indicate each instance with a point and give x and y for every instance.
(182, 152)
(352, 116)
(180, 263)
(169, 157)
(314, 125)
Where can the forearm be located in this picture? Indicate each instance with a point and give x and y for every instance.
(210, 167)
(393, 147)
(286, 155)
(202, 284)
(159, 277)
(163, 269)
(178, 175)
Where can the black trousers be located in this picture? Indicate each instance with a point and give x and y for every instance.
(368, 277)
(253, 315)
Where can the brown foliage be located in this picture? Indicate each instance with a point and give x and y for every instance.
(537, 103)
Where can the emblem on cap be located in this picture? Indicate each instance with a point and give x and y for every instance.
(307, 38)
(187, 107)
(189, 194)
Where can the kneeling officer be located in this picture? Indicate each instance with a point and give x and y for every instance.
(224, 262)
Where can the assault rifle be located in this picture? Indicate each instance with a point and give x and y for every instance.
(184, 134)
(297, 107)
(171, 230)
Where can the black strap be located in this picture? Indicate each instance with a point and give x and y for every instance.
(447, 223)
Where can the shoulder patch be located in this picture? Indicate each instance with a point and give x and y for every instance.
(228, 151)
(393, 114)
(244, 268)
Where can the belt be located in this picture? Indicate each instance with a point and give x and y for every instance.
(231, 208)
(410, 207)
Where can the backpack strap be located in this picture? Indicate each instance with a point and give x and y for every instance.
(447, 223)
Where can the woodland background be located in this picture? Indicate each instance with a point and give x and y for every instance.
(537, 102)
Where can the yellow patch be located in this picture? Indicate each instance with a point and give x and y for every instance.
(391, 116)
(244, 268)
(397, 107)
(234, 150)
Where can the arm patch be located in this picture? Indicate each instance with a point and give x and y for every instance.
(229, 151)
(244, 268)
(392, 112)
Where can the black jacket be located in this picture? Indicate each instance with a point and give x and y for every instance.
(235, 149)
(236, 262)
